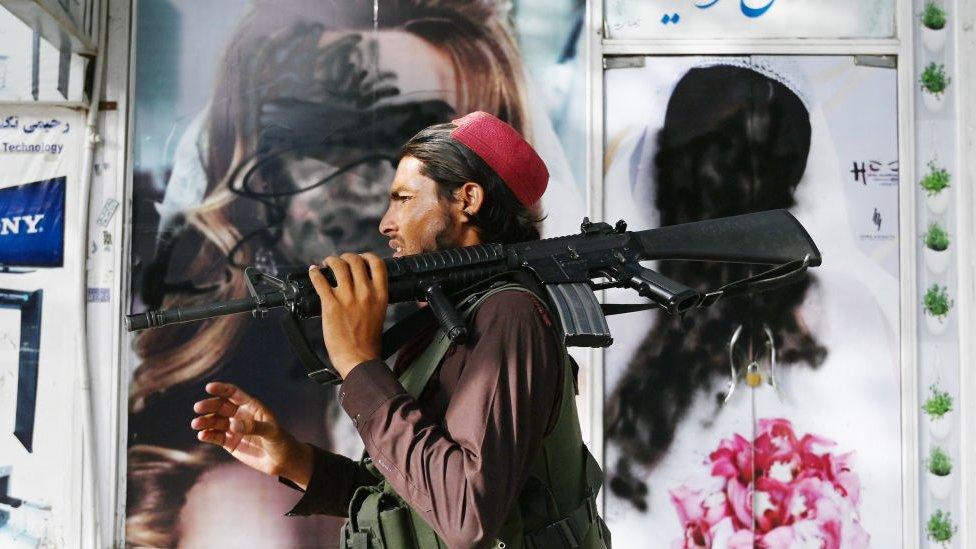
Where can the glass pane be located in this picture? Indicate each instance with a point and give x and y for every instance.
(692, 138)
(750, 18)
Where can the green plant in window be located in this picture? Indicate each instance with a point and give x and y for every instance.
(938, 404)
(936, 180)
(934, 79)
(936, 238)
(933, 16)
(936, 301)
(940, 527)
(939, 463)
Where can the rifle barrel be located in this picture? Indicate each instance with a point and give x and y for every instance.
(154, 319)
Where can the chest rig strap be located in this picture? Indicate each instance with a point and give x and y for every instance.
(416, 376)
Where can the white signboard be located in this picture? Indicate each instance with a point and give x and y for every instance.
(40, 455)
(750, 18)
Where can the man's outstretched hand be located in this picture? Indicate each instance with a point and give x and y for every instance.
(244, 427)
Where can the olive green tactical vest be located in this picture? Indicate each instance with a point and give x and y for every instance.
(555, 509)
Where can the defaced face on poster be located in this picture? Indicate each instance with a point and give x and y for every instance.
(266, 133)
(772, 420)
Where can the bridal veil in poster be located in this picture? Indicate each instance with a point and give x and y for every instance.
(757, 410)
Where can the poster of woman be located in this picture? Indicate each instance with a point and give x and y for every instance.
(714, 422)
(267, 134)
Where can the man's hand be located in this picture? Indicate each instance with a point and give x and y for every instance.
(353, 311)
(244, 427)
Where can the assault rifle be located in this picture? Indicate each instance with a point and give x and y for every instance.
(570, 268)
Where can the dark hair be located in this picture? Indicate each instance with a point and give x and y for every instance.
(734, 141)
(159, 480)
(502, 218)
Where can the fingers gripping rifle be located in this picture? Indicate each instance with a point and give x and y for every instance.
(570, 268)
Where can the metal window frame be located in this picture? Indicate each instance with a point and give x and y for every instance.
(965, 41)
(902, 47)
(122, 50)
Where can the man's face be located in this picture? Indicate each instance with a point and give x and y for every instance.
(418, 219)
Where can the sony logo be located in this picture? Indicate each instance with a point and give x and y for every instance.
(12, 225)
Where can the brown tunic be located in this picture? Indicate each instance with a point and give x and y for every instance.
(459, 454)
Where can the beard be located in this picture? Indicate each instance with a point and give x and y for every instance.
(447, 236)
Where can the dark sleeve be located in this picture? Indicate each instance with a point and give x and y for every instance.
(334, 479)
(463, 474)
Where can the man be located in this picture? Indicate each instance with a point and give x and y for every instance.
(490, 449)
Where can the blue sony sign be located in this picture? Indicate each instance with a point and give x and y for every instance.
(32, 224)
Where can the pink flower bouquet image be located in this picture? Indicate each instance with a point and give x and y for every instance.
(779, 492)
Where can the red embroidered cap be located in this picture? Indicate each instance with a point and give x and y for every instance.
(506, 152)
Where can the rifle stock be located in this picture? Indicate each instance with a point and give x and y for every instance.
(767, 238)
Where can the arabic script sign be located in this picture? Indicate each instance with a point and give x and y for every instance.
(716, 19)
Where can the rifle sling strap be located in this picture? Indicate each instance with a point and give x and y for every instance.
(780, 275)
(317, 370)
